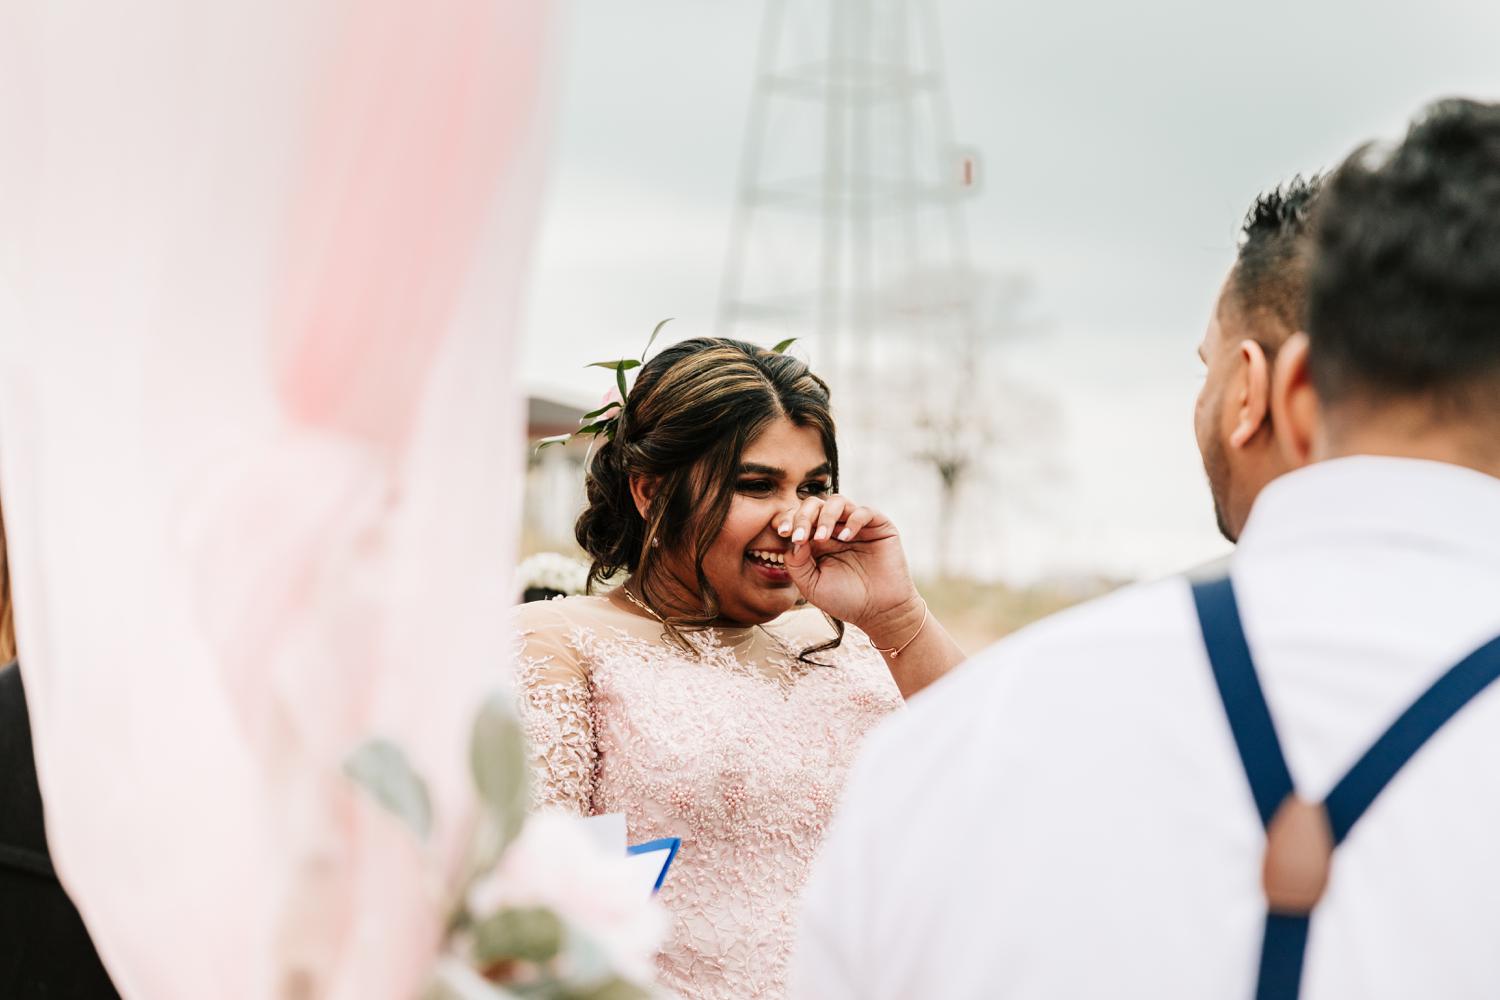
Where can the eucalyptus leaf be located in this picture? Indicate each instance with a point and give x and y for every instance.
(620, 380)
(497, 754)
(781, 347)
(613, 988)
(624, 363)
(381, 768)
(485, 848)
(554, 439)
(653, 338)
(533, 934)
(453, 980)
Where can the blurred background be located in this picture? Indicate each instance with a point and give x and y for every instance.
(996, 228)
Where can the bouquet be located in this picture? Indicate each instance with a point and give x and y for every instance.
(542, 911)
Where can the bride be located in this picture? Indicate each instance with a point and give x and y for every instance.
(720, 693)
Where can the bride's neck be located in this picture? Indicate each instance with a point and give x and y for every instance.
(670, 599)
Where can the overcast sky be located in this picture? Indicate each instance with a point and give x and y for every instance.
(1121, 143)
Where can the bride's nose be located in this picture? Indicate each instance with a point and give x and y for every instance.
(782, 519)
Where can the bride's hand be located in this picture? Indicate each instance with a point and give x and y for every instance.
(847, 561)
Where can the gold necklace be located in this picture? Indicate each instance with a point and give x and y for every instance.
(642, 605)
(748, 630)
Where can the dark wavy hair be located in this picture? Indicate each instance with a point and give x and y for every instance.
(693, 410)
(1404, 297)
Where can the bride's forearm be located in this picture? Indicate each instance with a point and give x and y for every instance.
(916, 647)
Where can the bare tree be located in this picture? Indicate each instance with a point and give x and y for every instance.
(961, 410)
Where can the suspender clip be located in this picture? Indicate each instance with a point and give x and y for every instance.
(1299, 855)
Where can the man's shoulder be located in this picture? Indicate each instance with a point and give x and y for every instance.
(1088, 652)
(1097, 636)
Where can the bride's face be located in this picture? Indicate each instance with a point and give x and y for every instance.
(779, 469)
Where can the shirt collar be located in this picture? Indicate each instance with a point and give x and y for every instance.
(1372, 496)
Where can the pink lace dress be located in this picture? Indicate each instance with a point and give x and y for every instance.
(738, 748)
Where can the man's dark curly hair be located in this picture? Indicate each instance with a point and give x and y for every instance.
(1404, 293)
(1270, 273)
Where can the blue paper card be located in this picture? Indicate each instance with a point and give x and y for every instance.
(666, 846)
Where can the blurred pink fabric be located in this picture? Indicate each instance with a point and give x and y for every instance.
(260, 459)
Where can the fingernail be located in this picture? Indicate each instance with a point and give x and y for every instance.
(800, 535)
(785, 528)
(822, 534)
(845, 535)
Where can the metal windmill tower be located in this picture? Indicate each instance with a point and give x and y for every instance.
(849, 232)
(849, 228)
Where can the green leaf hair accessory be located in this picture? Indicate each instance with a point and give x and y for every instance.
(652, 340)
(606, 419)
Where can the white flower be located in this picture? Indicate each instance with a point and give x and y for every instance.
(555, 864)
(553, 571)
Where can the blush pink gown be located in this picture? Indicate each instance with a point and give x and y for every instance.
(738, 748)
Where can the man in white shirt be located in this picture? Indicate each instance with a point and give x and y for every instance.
(1084, 810)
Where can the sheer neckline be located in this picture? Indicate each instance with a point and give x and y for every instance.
(775, 659)
(738, 632)
(633, 603)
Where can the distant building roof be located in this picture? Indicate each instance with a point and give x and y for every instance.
(550, 411)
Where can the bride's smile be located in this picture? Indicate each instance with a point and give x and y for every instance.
(746, 565)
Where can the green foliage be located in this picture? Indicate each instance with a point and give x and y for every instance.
(591, 422)
(534, 934)
(381, 768)
(532, 952)
(554, 439)
(653, 338)
(592, 414)
(613, 988)
(453, 980)
(497, 756)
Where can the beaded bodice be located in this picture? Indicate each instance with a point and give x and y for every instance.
(737, 747)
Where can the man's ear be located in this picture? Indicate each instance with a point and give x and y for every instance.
(1251, 401)
(643, 491)
(1295, 408)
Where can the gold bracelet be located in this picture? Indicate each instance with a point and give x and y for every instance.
(896, 651)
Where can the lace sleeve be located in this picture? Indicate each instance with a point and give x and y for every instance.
(555, 704)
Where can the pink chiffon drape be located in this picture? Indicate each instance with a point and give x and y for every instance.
(260, 459)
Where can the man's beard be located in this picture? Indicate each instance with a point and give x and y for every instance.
(1216, 465)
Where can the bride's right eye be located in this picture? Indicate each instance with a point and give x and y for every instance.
(755, 487)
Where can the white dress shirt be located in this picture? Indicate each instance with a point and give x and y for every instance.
(1066, 816)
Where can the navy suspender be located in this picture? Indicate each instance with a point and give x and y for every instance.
(1285, 940)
